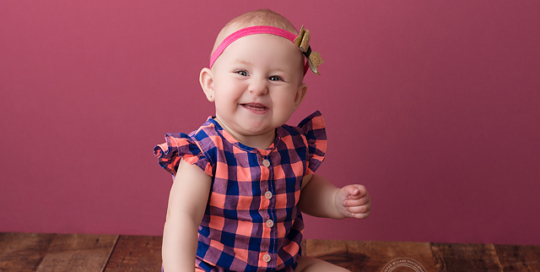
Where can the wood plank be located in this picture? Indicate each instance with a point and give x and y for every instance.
(465, 257)
(371, 256)
(303, 247)
(111, 253)
(23, 251)
(518, 258)
(78, 252)
(136, 254)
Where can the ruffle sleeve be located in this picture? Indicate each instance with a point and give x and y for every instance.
(313, 128)
(181, 146)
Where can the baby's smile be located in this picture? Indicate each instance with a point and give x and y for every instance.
(255, 107)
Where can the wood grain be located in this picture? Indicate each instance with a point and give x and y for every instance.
(303, 247)
(23, 251)
(76, 252)
(136, 254)
(465, 257)
(519, 258)
(111, 253)
(369, 256)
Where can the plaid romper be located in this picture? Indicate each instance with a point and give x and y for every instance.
(251, 221)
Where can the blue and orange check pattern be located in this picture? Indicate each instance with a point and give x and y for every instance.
(251, 222)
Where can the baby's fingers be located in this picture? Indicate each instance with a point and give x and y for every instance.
(359, 208)
(361, 192)
(356, 202)
(355, 191)
(359, 211)
(359, 215)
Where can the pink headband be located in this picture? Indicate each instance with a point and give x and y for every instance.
(250, 31)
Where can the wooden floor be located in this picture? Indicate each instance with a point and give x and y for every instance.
(76, 252)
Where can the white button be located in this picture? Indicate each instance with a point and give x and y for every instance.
(266, 163)
(267, 258)
(269, 223)
(268, 195)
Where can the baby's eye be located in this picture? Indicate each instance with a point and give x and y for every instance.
(275, 78)
(242, 73)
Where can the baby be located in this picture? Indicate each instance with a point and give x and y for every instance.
(242, 179)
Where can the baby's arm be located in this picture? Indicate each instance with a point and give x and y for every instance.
(187, 203)
(321, 198)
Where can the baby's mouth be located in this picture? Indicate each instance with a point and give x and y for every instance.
(254, 106)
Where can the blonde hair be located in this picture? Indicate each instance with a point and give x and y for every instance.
(254, 18)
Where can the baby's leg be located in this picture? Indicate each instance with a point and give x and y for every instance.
(310, 264)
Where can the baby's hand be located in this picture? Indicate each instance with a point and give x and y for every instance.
(353, 201)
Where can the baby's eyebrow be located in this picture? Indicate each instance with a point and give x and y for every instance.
(281, 71)
(241, 61)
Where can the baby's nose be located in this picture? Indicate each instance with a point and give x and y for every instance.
(258, 86)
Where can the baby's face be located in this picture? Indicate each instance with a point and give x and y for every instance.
(257, 83)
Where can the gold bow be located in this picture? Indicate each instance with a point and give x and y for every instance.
(314, 59)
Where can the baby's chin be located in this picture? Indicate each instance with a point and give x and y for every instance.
(253, 130)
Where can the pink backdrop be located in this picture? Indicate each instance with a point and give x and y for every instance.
(433, 105)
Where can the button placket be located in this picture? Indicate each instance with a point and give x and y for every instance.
(269, 223)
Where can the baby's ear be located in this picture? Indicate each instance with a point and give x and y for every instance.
(300, 94)
(207, 83)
